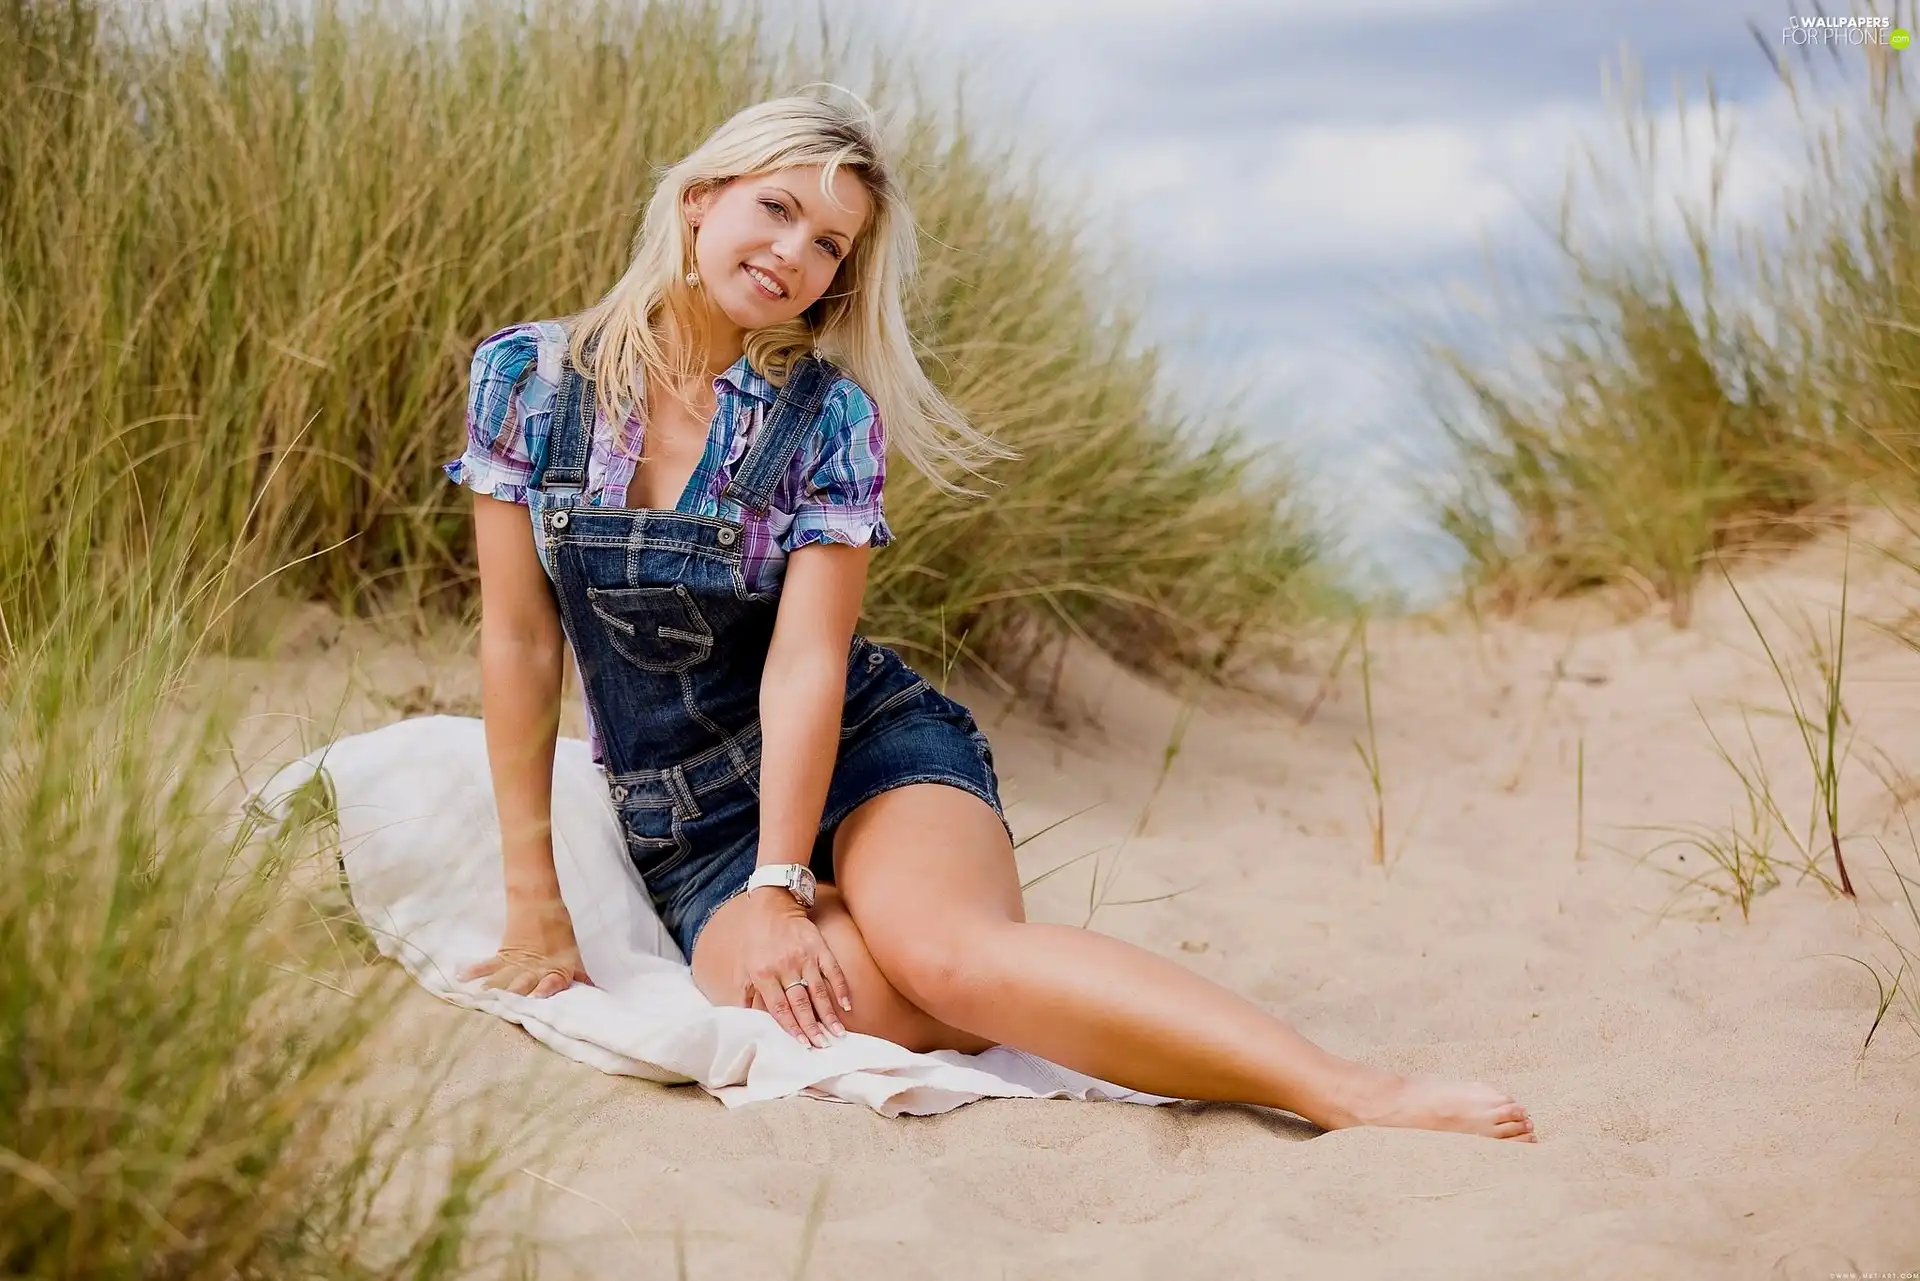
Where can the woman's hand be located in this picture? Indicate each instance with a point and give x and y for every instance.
(538, 955)
(783, 948)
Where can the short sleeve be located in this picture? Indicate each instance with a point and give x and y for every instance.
(841, 473)
(507, 413)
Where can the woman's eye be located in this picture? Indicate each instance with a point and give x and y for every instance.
(830, 246)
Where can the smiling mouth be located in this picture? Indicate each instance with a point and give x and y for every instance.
(760, 282)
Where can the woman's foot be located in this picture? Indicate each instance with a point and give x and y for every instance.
(1423, 1102)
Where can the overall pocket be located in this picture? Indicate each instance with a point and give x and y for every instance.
(877, 681)
(659, 629)
(865, 664)
(655, 842)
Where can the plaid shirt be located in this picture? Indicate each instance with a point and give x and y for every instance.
(831, 493)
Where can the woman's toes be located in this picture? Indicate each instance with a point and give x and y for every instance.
(1434, 1103)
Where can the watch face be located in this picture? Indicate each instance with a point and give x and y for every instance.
(800, 881)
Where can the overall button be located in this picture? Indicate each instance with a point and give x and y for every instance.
(559, 519)
(727, 535)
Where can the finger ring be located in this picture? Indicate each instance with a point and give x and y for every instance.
(795, 983)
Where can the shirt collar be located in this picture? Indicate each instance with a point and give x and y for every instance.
(743, 378)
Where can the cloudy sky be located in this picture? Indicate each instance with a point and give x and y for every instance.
(1310, 188)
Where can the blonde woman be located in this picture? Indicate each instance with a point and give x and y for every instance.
(700, 456)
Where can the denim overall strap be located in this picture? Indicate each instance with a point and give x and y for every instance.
(779, 438)
(568, 437)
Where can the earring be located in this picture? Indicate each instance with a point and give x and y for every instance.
(693, 280)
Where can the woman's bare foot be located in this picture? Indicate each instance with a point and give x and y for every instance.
(1424, 1102)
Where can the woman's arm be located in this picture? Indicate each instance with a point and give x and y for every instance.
(522, 654)
(837, 520)
(803, 695)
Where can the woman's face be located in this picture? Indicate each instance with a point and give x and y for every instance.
(767, 245)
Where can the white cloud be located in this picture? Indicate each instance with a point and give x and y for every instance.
(1095, 19)
(1371, 191)
(1379, 197)
(1303, 180)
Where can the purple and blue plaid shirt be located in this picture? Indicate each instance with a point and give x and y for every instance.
(831, 493)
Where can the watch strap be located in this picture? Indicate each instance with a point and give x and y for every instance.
(787, 876)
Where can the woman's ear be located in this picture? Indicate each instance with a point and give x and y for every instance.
(694, 201)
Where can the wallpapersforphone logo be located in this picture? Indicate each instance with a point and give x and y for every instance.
(1835, 31)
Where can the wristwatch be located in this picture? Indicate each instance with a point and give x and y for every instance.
(795, 878)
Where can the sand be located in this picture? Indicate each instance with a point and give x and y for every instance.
(1697, 1079)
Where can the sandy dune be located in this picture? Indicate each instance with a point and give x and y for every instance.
(1697, 1080)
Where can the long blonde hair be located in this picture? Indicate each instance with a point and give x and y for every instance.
(859, 323)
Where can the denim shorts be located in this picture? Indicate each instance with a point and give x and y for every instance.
(696, 851)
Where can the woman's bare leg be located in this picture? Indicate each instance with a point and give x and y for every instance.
(878, 1009)
(929, 877)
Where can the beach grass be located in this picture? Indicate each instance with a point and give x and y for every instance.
(184, 1011)
(1369, 753)
(1700, 394)
(1699, 388)
(248, 254)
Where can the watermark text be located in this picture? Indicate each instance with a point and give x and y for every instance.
(1824, 30)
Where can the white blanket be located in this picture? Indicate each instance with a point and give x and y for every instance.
(421, 844)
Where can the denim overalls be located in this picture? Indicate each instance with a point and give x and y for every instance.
(671, 645)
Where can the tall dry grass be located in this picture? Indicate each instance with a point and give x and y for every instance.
(247, 257)
(1686, 408)
(1721, 399)
(184, 1020)
(244, 259)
